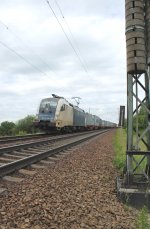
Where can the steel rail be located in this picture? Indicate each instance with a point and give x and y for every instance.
(9, 139)
(18, 164)
(37, 143)
(20, 138)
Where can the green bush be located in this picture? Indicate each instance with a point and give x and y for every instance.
(7, 128)
(26, 125)
(22, 127)
(21, 133)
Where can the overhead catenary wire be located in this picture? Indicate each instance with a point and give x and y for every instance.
(4, 24)
(68, 27)
(18, 38)
(20, 56)
(69, 41)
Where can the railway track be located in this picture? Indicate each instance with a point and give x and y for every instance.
(19, 156)
(35, 142)
(11, 139)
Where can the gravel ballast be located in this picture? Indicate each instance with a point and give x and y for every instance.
(77, 191)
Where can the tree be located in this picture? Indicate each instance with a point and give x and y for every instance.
(25, 125)
(142, 118)
(7, 128)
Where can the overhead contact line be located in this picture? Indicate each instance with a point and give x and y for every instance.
(69, 41)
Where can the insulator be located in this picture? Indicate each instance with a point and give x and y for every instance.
(135, 36)
(147, 24)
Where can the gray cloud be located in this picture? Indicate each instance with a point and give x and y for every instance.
(49, 65)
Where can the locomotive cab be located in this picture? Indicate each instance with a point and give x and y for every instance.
(46, 114)
(54, 114)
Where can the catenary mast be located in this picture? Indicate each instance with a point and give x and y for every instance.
(136, 70)
(137, 172)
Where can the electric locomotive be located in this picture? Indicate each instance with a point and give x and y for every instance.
(56, 113)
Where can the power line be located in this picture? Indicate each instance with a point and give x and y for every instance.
(4, 24)
(59, 9)
(17, 54)
(61, 12)
(67, 37)
(18, 38)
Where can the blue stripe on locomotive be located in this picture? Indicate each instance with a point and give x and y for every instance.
(46, 117)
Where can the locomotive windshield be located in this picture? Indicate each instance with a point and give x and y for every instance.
(48, 105)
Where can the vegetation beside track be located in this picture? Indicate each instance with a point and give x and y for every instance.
(142, 219)
(21, 127)
(119, 145)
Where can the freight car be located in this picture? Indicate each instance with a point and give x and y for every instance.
(56, 113)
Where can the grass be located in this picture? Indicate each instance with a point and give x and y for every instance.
(119, 145)
(142, 219)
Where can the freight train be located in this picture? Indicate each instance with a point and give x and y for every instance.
(56, 113)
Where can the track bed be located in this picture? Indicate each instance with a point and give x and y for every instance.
(76, 191)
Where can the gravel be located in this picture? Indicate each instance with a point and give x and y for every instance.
(75, 192)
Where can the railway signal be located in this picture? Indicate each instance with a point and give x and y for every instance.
(122, 116)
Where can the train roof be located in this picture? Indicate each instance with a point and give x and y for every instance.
(78, 108)
(57, 96)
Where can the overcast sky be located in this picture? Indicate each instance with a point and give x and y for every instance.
(81, 53)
